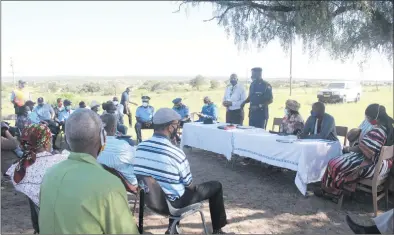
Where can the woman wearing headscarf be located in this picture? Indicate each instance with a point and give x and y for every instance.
(292, 122)
(359, 162)
(26, 175)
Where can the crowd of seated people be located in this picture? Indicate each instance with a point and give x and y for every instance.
(59, 183)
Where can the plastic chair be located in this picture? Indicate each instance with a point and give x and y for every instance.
(277, 122)
(130, 189)
(342, 131)
(34, 210)
(153, 197)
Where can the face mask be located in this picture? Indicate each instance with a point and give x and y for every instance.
(40, 105)
(174, 132)
(233, 82)
(116, 103)
(286, 111)
(375, 121)
(145, 104)
(68, 108)
(313, 114)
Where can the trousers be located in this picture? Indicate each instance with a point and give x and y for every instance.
(235, 116)
(257, 118)
(212, 191)
(138, 127)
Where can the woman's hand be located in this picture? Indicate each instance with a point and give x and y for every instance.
(346, 149)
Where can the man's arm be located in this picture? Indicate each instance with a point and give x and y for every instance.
(52, 111)
(8, 142)
(242, 97)
(327, 126)
(305, 131)
(118, 218)
(268, 96)
(185, 173)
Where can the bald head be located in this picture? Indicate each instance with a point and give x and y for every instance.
(110, 123)
(83, 129)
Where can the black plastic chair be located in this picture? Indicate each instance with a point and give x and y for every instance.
(34, 211)
(153, 197)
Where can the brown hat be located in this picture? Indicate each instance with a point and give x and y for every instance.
(293, 105)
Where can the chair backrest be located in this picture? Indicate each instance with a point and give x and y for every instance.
(277, 122)
(34, 210)
(154, 196)
(342, 131)
(129, 187)
(387, 152)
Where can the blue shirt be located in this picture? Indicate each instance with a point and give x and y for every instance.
(211, 112)
(167, 164)
(259, 93)
(125, 98)
(64, 114)
(118, 154)
(182, 110)
(34, 118)
(145, 113)
(365, 127)
(44, 112)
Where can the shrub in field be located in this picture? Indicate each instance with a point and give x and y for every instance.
(199, 81)
(161, 86)
(90, 87)
(215, 84)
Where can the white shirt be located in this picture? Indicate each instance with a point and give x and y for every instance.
(31, 183)
(236, 94)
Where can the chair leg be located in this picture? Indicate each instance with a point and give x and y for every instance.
(173, 225)
(340, 202)
(375, 200)
(203, 222)
(141, 213)
(135, 203)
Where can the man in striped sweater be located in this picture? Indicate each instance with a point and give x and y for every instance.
(168, 165)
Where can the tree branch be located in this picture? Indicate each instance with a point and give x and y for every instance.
(179, 7)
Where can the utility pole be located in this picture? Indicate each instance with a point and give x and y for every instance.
(291, 60)
(12, 69)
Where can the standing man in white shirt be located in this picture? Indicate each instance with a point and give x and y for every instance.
(233, 98)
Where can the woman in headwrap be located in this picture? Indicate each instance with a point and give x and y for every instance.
(292, 122)
(359, 161)
(26, 175)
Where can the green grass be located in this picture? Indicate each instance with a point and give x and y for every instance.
(350, 114)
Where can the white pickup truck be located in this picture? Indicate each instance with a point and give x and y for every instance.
(340, 92)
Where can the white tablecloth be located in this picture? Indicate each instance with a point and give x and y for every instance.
(207, 137)
(308, 158)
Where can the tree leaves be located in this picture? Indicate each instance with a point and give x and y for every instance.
(343, 28)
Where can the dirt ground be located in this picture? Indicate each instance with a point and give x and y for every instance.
(257, 199)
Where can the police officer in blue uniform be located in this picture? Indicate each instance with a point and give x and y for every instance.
(260, 96)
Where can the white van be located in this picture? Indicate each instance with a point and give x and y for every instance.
(340, 92)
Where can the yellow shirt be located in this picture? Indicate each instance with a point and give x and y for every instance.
(78, 196)
(20, 96)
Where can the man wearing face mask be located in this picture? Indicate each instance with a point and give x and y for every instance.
(20, 95)
(166, 163)
(209, 111)
(233, 98)
(44, 111)
(65, 114)
(59, 107)
(144, 116)
(260, 96)
(183, 111)
(320, 125)
(85, 198)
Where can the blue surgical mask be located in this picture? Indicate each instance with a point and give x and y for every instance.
(233, 82)
(313, 114)
(286, 112)
(68, 108)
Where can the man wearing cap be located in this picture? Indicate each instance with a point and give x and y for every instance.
(44, 111)
(20, 95)
(234, 96)
(144, 116)
(183, 111)
(63, 115)
(260, 96)
(166, 163)
(119, 109)
(33, 117)
(209, 111)
(82, 105)
(125, 100)
(95, 106)
(109, 107)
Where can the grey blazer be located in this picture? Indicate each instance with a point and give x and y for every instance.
(328, 129)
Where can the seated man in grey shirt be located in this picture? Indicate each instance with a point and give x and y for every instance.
(319, 125)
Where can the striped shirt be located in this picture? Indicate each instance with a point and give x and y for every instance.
(119, 154)
(167, 164)
(365, 127)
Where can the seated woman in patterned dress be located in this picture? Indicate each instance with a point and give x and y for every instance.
(358, 162)
(292, 122)
(26, 175)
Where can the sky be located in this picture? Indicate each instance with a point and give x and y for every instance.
(129, 38)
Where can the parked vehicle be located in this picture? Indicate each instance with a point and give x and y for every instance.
(340, 92)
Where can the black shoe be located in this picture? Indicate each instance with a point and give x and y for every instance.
(358, 229)
(219, 231)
